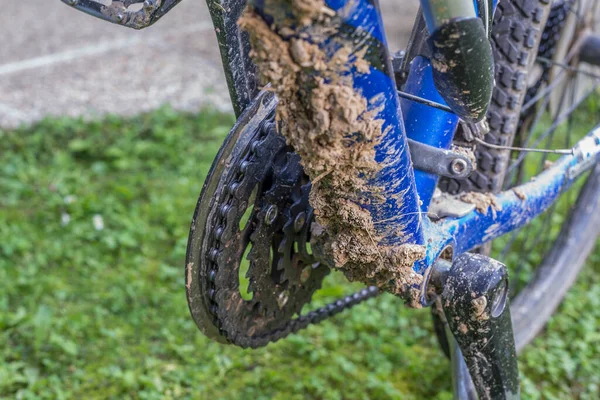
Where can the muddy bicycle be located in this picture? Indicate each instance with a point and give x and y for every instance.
(412, 173)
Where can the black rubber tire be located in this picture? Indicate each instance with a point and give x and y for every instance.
(534, 305)
(516, 35)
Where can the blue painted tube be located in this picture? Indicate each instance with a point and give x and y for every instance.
(426, 124)
(518, 206)
(423, 123)
(393, 203)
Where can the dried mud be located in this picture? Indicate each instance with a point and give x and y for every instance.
(466, 151)
(479, 309)
(482, 201)
(334, 129)
(190, 275)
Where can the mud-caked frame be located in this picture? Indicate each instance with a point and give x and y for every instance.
(405, 121)
(431, 74)
(409, 120)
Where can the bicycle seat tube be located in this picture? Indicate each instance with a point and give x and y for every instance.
(448, 69)
(461, 54)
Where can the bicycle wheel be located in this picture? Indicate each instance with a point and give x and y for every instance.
(540, 84)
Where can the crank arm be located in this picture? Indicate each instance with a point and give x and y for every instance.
(124, 12)
(439, 161)
(476, 307)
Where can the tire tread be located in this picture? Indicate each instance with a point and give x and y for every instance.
(516, 36)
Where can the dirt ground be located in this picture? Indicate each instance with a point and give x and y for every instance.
(56, 61)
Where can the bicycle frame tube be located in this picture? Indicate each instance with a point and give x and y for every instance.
(423, 123)
(361, 24)
(435, 127)
(426, 124)
(518, 206)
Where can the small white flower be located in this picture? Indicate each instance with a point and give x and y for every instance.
(65, 219)
(69, 199)
(98, 222)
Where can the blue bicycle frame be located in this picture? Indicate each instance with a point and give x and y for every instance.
(406, 119)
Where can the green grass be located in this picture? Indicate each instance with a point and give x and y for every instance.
(89, 313)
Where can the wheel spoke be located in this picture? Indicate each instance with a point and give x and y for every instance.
(577, 13)
(518, 164)
(560, 118)
(557, 79)
(550, 137)
(556, 123)
(568, 141)
(545, 92)
(542, 233)
(567, 67)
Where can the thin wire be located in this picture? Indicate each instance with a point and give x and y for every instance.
(443, 107)
(560, 118)
(427, 102)
(498, 147)
(568, 67)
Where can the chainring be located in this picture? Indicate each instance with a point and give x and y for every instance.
(257, 177)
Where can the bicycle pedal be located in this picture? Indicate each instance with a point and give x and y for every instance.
(136, 14)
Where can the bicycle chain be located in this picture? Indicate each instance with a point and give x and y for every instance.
(223, 318)
(312, 318)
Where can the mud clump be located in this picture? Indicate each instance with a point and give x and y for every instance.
(482, 201)
(190, 276)
(334, 129)
(479, 309)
